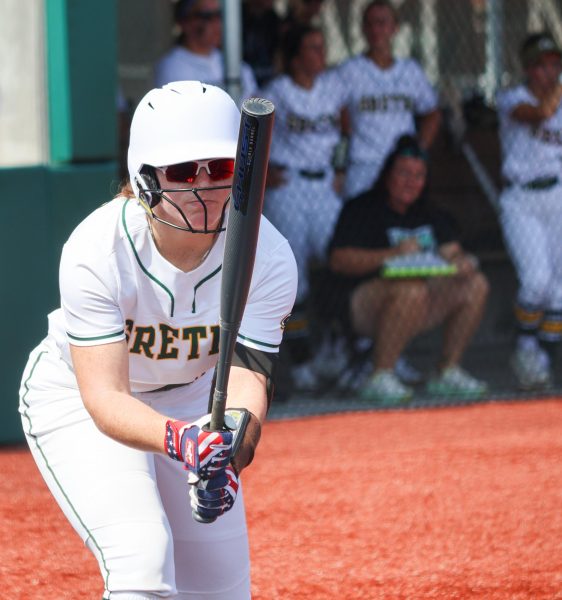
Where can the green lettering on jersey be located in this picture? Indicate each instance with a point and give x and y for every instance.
(128, 328)
(194, 334)
(144, 340)
(215, 331)
(169, 334)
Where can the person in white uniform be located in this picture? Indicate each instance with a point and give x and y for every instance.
(530, 116)
(301, 198)
(197, 55)
(114, 401)
(386, 95)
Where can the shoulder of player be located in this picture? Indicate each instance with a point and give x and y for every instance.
(508, 98)
(98, 233)
(408, 67)
(351, 64)
(278, 90)
(270, 241)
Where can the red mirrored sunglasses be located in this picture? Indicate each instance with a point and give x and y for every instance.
(218, 169)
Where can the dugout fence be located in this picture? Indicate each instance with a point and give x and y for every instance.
(469, 50)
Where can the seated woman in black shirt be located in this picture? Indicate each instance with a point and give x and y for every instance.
(391, 221)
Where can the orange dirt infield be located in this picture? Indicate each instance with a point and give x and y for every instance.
(441, 503)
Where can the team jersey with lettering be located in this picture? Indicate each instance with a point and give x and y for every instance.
(383, 103)
(115, 285)
(307, 121)
(180, 64)
(529, 151)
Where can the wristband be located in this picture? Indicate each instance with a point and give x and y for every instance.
(172, 439)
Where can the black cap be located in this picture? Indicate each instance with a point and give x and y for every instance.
(536, 45)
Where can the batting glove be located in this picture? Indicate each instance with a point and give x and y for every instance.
(204, 453)
(211, 498)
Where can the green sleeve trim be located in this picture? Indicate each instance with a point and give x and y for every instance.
(143, 268)
(258, 342)
(98, 337)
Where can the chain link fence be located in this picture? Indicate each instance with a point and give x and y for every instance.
(469, 50)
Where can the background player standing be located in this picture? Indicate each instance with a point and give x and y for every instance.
(301, 199)
(114, 400)
(197, 54)
(386, 94)
(531, 205)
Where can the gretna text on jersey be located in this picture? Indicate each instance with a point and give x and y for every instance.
(299, 124)
(388, 102)
(160, 342)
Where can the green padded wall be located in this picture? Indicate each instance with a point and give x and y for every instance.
(40, 205)
(82, 79)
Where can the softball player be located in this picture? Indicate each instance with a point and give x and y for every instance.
(301, 200)
(114, 400)
(197, 55)
(530, 117)
(385, 96)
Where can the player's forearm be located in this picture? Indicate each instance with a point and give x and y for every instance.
(529, 113)
(356, 262)
(247, 389)
(127, 420)
(429, 128)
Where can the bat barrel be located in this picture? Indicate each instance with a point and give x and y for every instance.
(242, 230)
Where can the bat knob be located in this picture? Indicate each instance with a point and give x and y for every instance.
(201, 519)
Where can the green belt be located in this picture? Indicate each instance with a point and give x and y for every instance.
(542, 183)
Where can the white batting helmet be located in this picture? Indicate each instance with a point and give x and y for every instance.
(182, 121)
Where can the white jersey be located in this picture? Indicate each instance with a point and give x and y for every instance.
(382, 104)
(307, 121)
(115, 285)
(529, 151)
(180, 64)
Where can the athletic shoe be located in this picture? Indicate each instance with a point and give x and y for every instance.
(455, 381)
(353, 378)
(406, 372)
(304, 377)
(386, 389)
(331, 358)
(531, 367)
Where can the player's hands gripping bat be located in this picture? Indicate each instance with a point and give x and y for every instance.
(204, 453)
(250, 170)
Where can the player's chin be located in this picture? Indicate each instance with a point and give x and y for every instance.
(209, 221)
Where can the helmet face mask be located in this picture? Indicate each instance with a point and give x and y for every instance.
(151, 194)
(182, 122)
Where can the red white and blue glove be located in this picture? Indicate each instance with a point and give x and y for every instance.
(211, 498)
(205, 454)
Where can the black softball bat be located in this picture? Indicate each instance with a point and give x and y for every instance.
(248, 186)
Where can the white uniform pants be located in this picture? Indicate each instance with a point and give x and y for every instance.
(305, 211)
(131, 508)
(532, 226)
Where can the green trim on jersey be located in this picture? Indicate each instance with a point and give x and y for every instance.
(98, 337)
(258, 342)
(143, 268)
(200, 283)
(50, 469)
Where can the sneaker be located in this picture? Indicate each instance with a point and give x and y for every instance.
(386, 389)
(406, 372)
(331, 358)
(455, 381)
(304, 377)
(531, 367)
(353, 378)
